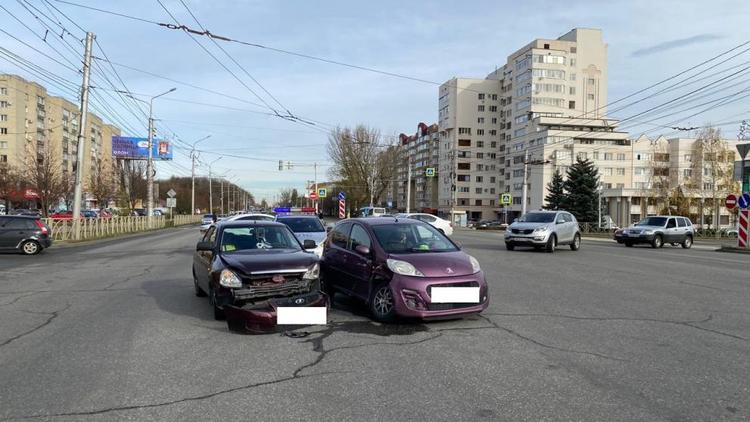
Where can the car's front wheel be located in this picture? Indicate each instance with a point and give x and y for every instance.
(31, 247)
(218, 312)
(551, 244)
(382, 304)
(658, 242)
(687, 243)
(576, 245)
(509, 246)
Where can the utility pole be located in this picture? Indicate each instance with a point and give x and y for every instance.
(150, 166)
(193, 157)
(599, 205)
(210, 190)
(315, 166)
(78, 193)
(221, 197)
(525, 181)
(408, 185)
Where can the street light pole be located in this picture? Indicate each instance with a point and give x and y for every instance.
(150, 165)
(78, 192)
(193, 157)
(524, 191)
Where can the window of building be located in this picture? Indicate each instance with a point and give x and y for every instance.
(463, 201)
(480, 144)
(572, 76)
(523, 104)
(573, 49)
(518, 173)
(554, 102)
(606, 185)
(519, 132)
(3, 91)
(464, 166)
(461, 142)
(3, 130)
(572, 90)
(480, 167)
(687, 172)
(548, 58)
(607, 171)
(548, 73)
(607, 156)
(463, 178)
(621, 157)
(591, 81)
(464, 131)
(595, 155)
(571, 104)
(708, 186)
(546, 46)
(3, 144)
(480, 120)
(480, 155)
(688, 157)
(478, 190)
(621, 171)
(3, 104)
(492, 179)
(479, 179)
(493, 132)
(582, 155)
(494, 120)
(480, 108)
(493, 109)
(464, 189)
(493, 155)
(480, 132)
(590, 96)
(493, 144)
(3, 158)
(494, 97)
(572, 62)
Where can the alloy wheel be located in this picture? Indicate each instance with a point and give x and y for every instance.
(383, 301)
(30, 248)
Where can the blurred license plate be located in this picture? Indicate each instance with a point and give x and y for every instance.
(309, 315)
(455, 294)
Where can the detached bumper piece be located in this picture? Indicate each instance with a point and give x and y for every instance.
(262, 316)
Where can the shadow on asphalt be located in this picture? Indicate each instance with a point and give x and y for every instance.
(176, 296)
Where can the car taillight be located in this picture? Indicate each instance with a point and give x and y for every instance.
(41, 226)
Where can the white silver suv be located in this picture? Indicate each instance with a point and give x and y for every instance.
(544, 229)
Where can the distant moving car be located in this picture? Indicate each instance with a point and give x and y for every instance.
(370, 212)
(395, 267)
(443, 226)
(544, 229)
(658, 230)
(250, 268)
(25, 234)
(29, 212)
(64, 216)
(306, 227)
(491, 224)
(251, 217)
(90, 214)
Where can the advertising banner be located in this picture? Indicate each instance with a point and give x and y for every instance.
(137, 148)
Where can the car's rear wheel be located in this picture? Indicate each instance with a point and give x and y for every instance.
(629, 244)
(551, 244)
(198, 291)
(576, 245)
(687, 243)
(218, 312)
(382, 305)
(31, 247)
(658, 242)
(509, 246)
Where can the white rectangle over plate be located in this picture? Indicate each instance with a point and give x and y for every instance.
(303, 315)
(455, 295)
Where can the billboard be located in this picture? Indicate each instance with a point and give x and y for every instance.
(137, 148)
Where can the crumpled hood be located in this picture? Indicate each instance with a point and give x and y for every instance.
(269, 260)
(438, 264)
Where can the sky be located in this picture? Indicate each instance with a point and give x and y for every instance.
(432, 41)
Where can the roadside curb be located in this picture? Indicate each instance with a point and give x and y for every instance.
(733, 249)
(714, 247)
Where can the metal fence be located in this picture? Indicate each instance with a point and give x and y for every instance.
(93, 228)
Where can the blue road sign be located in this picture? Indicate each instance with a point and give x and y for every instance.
(342, 196)
(744, 200)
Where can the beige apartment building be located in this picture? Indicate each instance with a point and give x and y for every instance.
(563, 78)
(421, 151)
(32, 121)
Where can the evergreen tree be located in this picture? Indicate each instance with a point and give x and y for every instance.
(556, 192)
(581, 188)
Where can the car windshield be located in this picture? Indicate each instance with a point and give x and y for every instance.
(652, 221)
(538, 217)
(208, 216)
(303, 224)
(257, 239)
(411, 238)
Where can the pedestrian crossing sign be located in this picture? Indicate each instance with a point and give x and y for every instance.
(429, 172)
(506, 199)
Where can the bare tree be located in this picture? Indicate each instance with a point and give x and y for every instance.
(44, 173)
(364, 164)
(133, 177)
(102, 185)
(713, 166)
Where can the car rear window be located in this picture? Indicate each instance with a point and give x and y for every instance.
(411, 238)
(303, 224)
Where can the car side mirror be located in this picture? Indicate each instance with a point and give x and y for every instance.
(328, 229)
(559, 222)
(204, 246)
(309, 244)
(362, 250)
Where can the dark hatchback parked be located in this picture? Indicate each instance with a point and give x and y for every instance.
(248, 269)
(25, 234)
(395, 263)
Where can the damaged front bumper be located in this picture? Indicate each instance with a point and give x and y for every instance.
(261, 316)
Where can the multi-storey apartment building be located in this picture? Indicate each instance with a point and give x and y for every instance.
(421, 152)
(34, 125)
(563, 79)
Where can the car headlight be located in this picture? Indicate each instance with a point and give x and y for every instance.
(541, 229)
(648, 231)
(319, 250)
(403, 268)
(312, 273)
(229, 279)
(475, 268)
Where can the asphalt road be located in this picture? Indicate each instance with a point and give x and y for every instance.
(112, 331)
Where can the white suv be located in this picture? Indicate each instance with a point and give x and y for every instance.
(443, 226)
(544, 229)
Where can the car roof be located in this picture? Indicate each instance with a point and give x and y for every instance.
(25, 216)
(245, 223)
(281, 217)
(381, 220)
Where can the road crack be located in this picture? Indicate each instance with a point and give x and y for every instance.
(51, 317)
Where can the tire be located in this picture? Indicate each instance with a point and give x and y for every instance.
(382, 304)
(551, 244)
(218, 312)
(30, 247)
(576, 245)
(658, 241)
(509, 246)
(198, 291)
(629, 244)
(688, 242)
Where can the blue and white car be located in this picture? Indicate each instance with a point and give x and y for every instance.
(306, 227)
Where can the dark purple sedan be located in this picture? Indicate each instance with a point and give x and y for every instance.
(402, 267)
(250, 270)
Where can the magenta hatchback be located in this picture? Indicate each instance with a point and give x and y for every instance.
(402, 267)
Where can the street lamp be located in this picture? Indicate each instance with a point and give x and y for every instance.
(150, 164)
(193, 157)
(210, 190)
